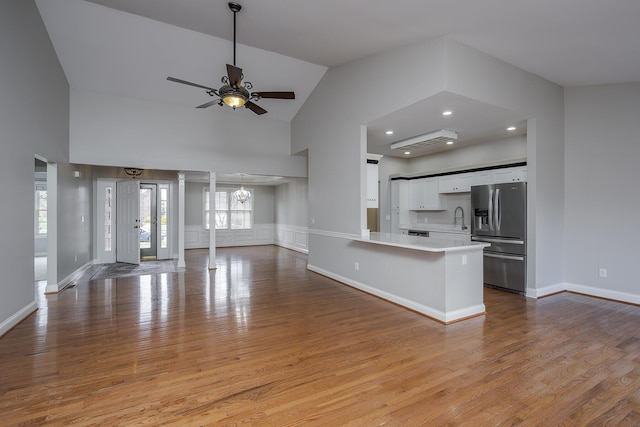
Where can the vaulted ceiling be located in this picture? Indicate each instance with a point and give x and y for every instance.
(129, 47)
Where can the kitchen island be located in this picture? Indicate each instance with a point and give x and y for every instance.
(440, 278)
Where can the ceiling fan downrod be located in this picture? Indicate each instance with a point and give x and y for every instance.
(235, 8)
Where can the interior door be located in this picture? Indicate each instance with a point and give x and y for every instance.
(128, 221)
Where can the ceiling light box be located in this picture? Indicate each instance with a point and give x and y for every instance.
(425, 140)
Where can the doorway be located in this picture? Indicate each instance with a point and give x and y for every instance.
(148, 222)
(40, 222)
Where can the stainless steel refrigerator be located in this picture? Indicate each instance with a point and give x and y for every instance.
(499, 217)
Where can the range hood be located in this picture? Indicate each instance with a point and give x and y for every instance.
(425, 140)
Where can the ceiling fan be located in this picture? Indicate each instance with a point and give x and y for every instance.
(234, 92)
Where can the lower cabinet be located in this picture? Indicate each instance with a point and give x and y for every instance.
(450, 236)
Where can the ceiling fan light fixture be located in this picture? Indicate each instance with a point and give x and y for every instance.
(234, 100)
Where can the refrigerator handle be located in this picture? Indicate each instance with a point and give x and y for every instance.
(490, 216)
(498, 210)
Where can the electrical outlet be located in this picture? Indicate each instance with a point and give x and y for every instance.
(357, 266)
(464, 260)
(603, 272)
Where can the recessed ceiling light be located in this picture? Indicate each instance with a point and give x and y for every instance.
(511, 128)
(407, 152)
(389, 132)
(447, 113)
(449, 142)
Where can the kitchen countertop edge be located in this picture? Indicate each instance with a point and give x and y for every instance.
(426, 244)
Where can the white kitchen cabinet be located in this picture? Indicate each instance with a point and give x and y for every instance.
(399, 204)
(424, 195)
(483, 178)
(399, 194)
(457, 183)
(372, 185)
(515, 174)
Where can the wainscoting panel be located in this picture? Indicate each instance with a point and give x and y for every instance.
(292, 237)
(261, 234)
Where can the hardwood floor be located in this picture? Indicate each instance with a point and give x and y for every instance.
(263, 341)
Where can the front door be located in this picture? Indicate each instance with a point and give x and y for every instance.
(148, 222)
(128, 221)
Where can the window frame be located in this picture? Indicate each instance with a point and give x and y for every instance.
(38, 188)
(229, 190)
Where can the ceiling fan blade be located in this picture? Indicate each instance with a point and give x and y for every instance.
(255, 108)
(276, 95)
(235, 75)
(184, 82)
(208, 104)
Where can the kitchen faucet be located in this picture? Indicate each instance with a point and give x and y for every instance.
(455, 217)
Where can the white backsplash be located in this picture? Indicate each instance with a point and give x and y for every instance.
(450, 202)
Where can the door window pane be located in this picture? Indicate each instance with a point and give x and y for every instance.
(108, 214)
(164, 203)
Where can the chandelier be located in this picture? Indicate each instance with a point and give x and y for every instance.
(133, 172)
(241, 194)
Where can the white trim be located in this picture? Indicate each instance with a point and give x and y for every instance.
(547, 290)
(420, 308)
(604, 293)
(18, 317)
(58, 287)
(585, 290)
(333, 234)
(292, 237)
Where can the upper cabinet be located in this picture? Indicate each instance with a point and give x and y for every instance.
(458, 183)
(399, 194)
(424, 195)
(462, 182)
(372, 185)
(515, 174)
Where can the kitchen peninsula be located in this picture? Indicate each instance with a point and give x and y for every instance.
(440, 278)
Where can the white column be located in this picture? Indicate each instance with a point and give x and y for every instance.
(181, 263)
(212, 221)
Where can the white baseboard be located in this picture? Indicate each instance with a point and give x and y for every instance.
(18, 317)
(604, 293)
(547, 290)
(57, 287)
(586, 290)
(420, 308)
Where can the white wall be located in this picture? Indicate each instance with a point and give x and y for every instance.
(491, 153)
(34, 119)
(116, 131)
(602, 129)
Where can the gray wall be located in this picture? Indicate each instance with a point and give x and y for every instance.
(291, 203)
(75, 214)
(193, 209)
(34, 119)
(602, 129)
(332, 134)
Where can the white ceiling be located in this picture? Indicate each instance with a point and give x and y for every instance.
(129, 47)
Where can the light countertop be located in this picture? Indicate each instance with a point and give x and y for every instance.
(428, 244)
